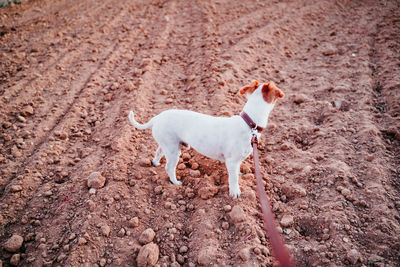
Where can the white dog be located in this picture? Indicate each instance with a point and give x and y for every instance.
(221, 138)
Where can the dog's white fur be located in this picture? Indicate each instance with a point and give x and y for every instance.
(226, 139)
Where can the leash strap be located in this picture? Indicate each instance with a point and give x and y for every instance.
(278, 247)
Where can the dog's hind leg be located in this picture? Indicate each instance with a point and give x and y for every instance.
(172, 157)
(157, 157)
(233, 167)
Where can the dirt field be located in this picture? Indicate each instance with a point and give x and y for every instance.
(71, 70)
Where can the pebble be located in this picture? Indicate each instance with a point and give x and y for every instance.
(300, 98)
(148, 255)
(186, 156)
(105, 229)
(16, 188)
(158, 190)
(225, 225)
(353, 256)
(121, 232)
(96, 180)
(329, 50)
(206, 256)
(147, 236)
(244, 254)
(287, 220)
(183, 249)
(207, 192)
(27, 110)
(14, 243)
(195, 166)
(134, 222)
(15, 259)
(61, 257)
(102, 262)
(257, 251)
(82, 241)
(237, 214)
(195, 173)
(21, 119)
(181, 166)
(227, 208)
(145, 162)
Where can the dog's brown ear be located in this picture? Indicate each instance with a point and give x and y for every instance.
(271, 93)
(249, 89)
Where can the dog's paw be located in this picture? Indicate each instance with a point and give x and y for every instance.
(176, 182)
(155, 164)
(235, 193)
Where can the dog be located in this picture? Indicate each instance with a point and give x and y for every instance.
(227, 139)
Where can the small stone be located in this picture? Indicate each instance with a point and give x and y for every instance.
(105, 229)
(148, 255)
(195, 173)
(329, 50)
(181, 166)
(244, 254)
(345, 192)
(134, 222)
(72, 236)
(61, 257)
(225, 225)
(147, 236)
(207, 192)
(158, 190)
(82, 241)
(15, 259)
(21, 119)
(121, 233)
(27, 110)
(257, 251)
(227, 208)
(195, 166)
(102, 262)
(14, 243)
(183, 249)
(237, 214)
(300, 98)
(92, 191)
(145, 162)
(206, 256)
(353, 256)
(16, 188)
(287, 220)
(186, 156)
(96, 180)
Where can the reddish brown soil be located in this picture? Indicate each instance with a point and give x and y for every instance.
(71, 70)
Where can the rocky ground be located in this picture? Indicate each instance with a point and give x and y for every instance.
(76, 186)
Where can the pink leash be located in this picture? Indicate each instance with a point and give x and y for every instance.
(278, 247)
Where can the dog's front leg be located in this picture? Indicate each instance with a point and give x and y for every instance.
(233, 167)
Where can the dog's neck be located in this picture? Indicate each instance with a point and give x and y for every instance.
(258, 110)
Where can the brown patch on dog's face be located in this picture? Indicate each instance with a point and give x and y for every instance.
(249, 89)
(271, 93)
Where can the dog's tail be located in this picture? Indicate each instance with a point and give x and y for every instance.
(138, 125)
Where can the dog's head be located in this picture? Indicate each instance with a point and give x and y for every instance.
(269, 91)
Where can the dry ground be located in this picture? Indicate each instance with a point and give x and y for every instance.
(71, 70)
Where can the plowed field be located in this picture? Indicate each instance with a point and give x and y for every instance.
(71, 70)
